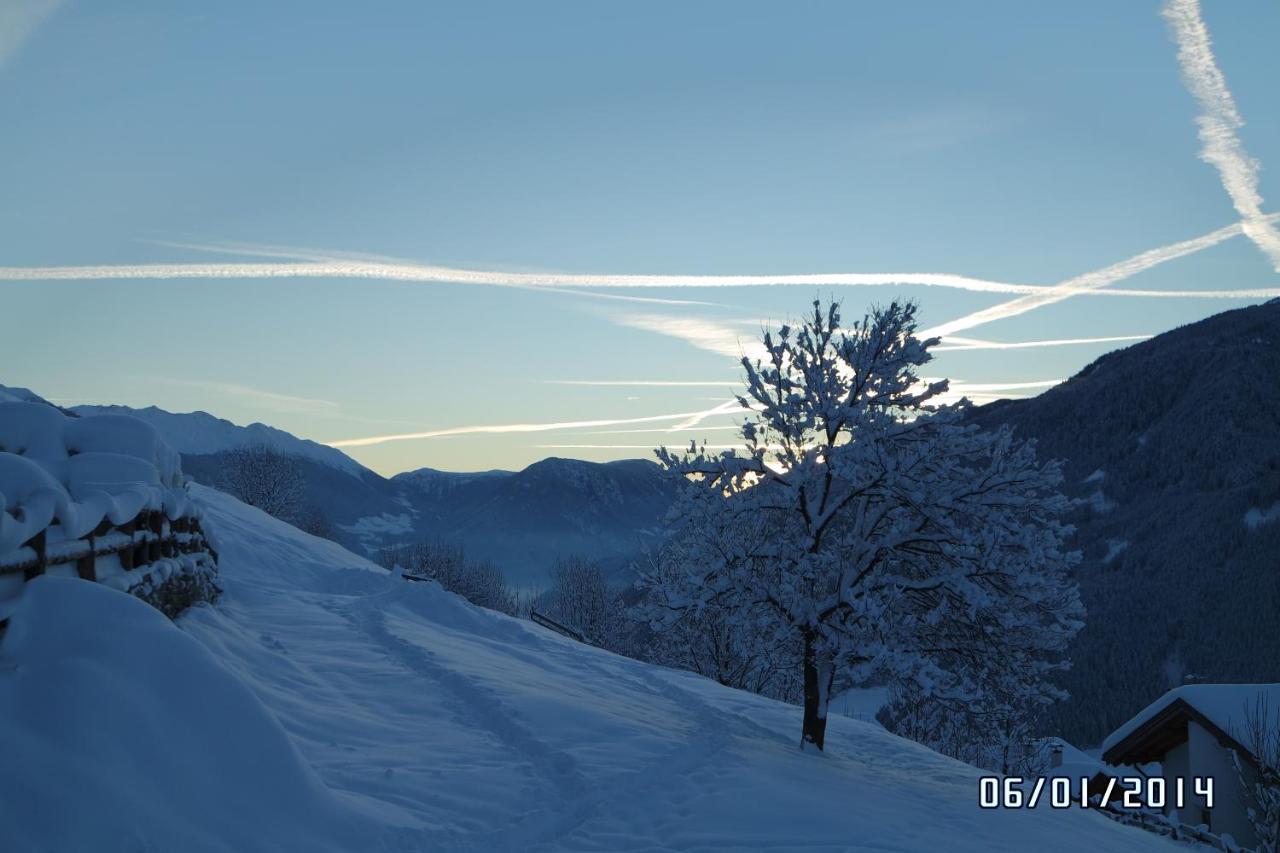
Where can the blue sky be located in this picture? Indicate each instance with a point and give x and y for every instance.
(1004, 141)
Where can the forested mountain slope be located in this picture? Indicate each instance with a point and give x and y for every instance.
(1174, 447)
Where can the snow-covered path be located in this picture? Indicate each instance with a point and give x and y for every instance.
(435, 725)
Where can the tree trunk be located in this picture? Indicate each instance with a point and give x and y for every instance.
(815, 699)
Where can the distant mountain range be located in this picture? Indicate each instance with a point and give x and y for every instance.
(1172, 447)
(522, 520)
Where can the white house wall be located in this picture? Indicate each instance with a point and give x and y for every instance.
(1210, 758)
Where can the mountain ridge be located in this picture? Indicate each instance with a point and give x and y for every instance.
(1171, 448)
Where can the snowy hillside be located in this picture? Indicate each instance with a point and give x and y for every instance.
(325, 705)
(200, 433)
(11, 394)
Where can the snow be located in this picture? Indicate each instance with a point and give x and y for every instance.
(1076, 765)
(65, 475)
(11, 394)
(860, 703)
(77, 472)
(1256, 517)
(1225, 705)
(1115, 547)
(1100, 502)
(122, 733)
(325, 705)
(202, 433)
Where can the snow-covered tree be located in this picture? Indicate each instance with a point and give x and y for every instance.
(868, 525)
(264, 477)
(1259, 773)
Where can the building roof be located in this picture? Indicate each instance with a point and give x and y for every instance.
(1162, 725)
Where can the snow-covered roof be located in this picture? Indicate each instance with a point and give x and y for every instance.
(1224, 705)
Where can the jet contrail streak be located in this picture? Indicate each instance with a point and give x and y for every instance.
(684, 417)
(954, 344)
(315, 265)
(428, 273)
(557, 281)
(660, 383)
(629, 446)
(1084, 283)
(1219, 122)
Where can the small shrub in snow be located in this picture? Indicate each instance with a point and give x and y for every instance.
(479, 582)
(180, 591)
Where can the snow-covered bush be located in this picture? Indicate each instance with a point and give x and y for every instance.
(479, 582)
(866, 524)
(102, 498)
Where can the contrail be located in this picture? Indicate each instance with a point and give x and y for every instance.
(1087, 282)
(453, 275)
(18, 20)
(1247, 293)
(660, 383)
(1219, 122)
(629, 446)
(314, 264)
(564, 281)
(954, 344)
(685, 417)
(962, 387)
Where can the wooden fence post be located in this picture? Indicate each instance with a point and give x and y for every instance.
(39, 544)
(87, 566)
(156, 525)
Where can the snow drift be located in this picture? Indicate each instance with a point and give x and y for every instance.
(121, 733)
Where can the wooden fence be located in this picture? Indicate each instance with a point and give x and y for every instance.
(551, 624)
(138, 543)
(1160, 824)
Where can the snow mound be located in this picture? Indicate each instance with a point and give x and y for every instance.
(119, 732)
(52, 466)
(64, 476)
